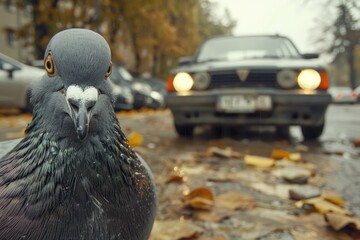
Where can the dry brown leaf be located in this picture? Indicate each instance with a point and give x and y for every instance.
(323, 206)
(234, 201)
(211, 238)
(257, 161)
(339, 221)
(334, 198)
(174, 230)
(135, 139)
(200, 198)
(227, 152)
(174, 178)
(279, 154)
(214, 215)
(356, 142)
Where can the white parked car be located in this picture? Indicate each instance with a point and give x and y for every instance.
(342, 94)
(15, 81)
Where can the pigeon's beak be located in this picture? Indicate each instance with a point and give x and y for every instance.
(81, 103)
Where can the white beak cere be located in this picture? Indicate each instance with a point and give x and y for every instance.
(80, 103)
(77, 94)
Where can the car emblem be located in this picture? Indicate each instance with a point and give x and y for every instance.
(243, 74)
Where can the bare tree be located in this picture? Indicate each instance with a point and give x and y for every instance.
(345, 34)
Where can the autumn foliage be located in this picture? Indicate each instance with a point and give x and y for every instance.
(146, 35)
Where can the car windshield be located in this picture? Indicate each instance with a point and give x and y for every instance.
(119, 73)
(238, 48)
(4, 59)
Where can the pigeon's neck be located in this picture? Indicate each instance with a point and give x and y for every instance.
(64, 162)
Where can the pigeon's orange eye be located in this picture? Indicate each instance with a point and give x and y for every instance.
(49, 65)
(108, 72)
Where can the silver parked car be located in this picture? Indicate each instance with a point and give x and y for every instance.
(249, 80)
(15, 81)
(343, 94)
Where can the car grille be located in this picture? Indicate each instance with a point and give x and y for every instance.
(256, 78)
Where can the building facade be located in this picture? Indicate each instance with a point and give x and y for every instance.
(11, 19)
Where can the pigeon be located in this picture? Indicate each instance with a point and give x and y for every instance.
(73, 175)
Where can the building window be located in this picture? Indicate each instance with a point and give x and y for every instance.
(9, 5)
(10, 37)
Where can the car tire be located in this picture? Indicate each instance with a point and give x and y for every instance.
(283, 131)
(312, 132)
(184, 130)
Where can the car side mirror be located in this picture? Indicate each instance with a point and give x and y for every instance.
(9, 68)
(184, 60)
(310, 55)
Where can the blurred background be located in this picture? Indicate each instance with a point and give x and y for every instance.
(149, 36)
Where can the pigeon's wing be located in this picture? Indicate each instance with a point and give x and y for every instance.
(22, 205)
(6, 146)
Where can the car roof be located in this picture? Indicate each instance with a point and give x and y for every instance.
(10, 59)
(247, 36)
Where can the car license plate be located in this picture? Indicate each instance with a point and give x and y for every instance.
(243, 103)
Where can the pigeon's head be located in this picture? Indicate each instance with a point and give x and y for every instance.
(76, 87)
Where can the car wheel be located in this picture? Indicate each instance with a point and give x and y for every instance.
(282, 131)
(184, 130)
(312, 132)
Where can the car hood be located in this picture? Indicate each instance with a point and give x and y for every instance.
(251, 64)
(33, 71)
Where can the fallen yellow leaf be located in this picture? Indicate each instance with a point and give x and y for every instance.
(295, 157)
(135, 139)
(323, 206)
(279, 154)
(201, 198)
(174, 178)
(339, 221)
(334, 198)
(175, 230)
(257, 161)
(215, 215)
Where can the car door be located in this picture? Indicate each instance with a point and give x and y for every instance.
(9, 86)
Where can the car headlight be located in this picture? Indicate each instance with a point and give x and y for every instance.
(309, 79)
(183, 82)
(286, 78)
(201, 80)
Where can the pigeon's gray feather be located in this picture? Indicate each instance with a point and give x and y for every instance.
(54, 185)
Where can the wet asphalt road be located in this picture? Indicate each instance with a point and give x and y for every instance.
(336, 157)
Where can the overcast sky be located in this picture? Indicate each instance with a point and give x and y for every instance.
(295, 19)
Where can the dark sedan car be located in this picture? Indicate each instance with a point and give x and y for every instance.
(143, 94)
(249, 80)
